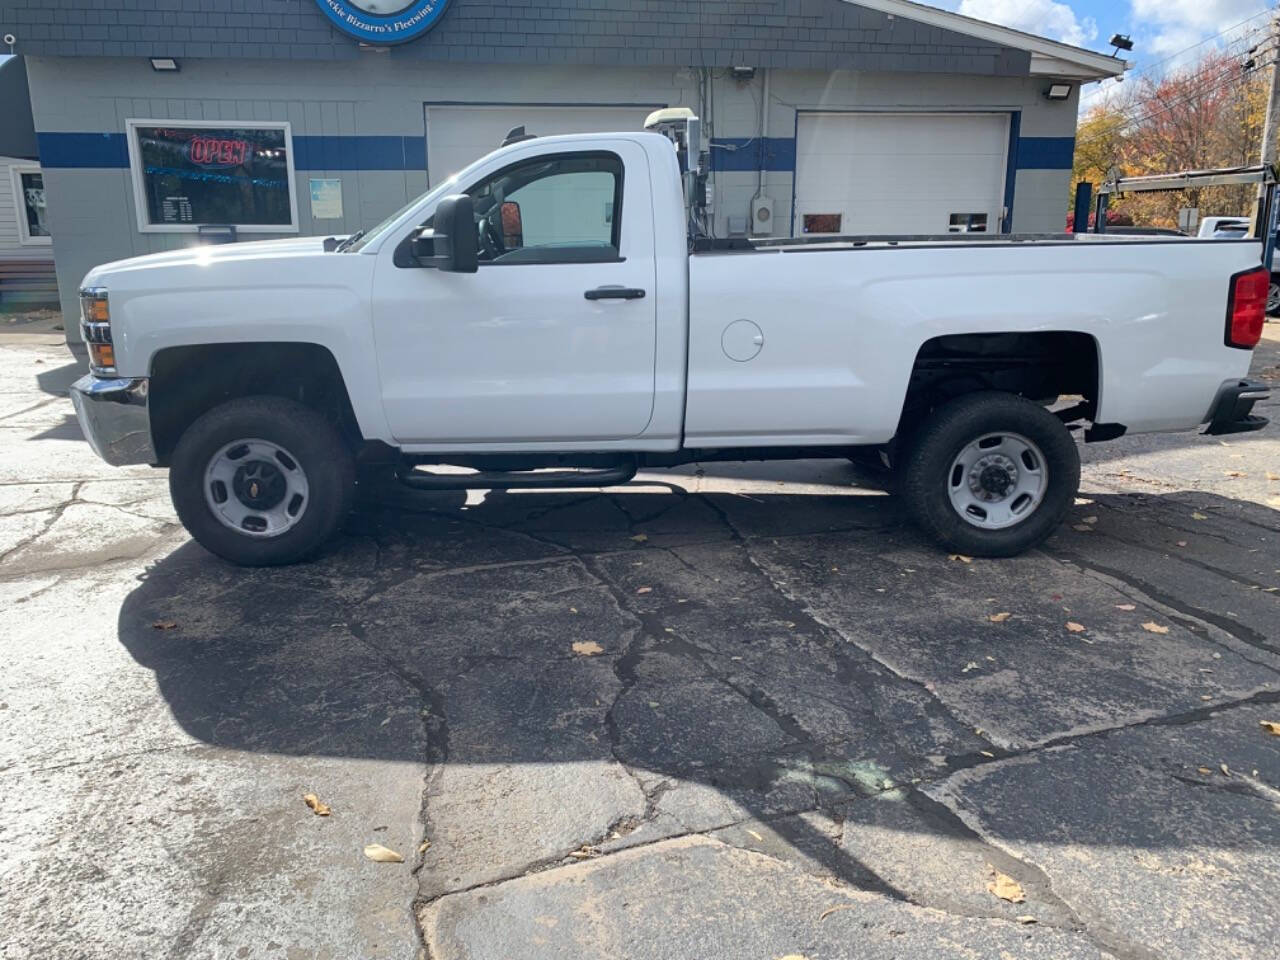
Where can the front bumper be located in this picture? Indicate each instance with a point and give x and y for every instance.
(113, 415)
(1231, 410)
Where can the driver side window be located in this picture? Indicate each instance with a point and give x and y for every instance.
(564, 208)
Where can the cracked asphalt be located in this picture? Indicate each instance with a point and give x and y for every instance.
(736, 711)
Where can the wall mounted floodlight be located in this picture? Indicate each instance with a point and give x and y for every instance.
(164, 65)
(742, 73)
(1121, 41)
(1058, 91)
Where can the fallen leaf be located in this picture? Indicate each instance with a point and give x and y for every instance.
(573, 609)
(1005, 887)
(1182, 543)
(1125, 606)
(1234, 474)
(164, 625)
(1082, 527)
(999, 617)
(836, 909)
(654, 704)
(319, 808)
(423, 847)
(640, 537)
(961, 557)
(585, 852)
(645, 590)
(1226, 772)
(755, 835)
(1203, 771)
(793, 956)
(1271, 727)
(1090, 520)
(1154, 628)
(1273, 476)
(971, 665)
(587, 648)
(1075, 627)
(380, 854)
(1198, 516)
(1025, 918)
(987, 753)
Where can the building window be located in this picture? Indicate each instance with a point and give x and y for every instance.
(32, 211)
(187, 174)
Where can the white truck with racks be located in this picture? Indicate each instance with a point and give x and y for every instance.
(548, 318)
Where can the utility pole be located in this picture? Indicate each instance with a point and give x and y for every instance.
(1271, 125)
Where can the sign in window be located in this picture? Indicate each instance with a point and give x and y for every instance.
(189, 174)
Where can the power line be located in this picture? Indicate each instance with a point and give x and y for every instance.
(1227, 77)
(1149, 66)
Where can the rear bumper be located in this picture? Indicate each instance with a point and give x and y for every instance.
(114, 417)
(1231, 410)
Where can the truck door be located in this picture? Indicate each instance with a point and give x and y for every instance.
(553, 338)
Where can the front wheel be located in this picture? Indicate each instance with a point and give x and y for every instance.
(262, 481)
(991, 474)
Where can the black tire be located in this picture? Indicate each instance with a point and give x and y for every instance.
(312, 440)
(1273, 297)
(926, 472)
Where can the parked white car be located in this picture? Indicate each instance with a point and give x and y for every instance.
(544, 319)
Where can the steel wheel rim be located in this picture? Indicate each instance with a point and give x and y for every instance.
(997, 480)
(256, 488)
(1273, 298)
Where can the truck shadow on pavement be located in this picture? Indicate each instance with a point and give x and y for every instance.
(800, 674)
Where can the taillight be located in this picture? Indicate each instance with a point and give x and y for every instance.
(1247, 308)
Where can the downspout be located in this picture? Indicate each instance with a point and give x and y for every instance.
(764, 128)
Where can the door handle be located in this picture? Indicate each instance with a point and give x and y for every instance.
(614, 293)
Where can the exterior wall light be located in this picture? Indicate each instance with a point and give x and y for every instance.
(164, 65)
(1058, 91)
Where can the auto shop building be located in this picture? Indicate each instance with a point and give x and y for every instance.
(161, 123)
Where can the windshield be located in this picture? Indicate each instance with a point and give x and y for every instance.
(374, 232)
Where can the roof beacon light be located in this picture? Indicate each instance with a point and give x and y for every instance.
(684, 129)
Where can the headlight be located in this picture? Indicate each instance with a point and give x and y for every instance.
(95, 326)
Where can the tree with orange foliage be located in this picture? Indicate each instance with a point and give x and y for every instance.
(1204, 116)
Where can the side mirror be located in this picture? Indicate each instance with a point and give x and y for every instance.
(512, 225)
(451, 245)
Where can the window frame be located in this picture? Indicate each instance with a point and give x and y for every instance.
(137, 176)
(615, 225)
(25, 237)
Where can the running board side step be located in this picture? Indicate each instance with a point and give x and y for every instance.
(517, 479)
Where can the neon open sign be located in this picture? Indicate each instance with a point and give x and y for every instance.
(217, 151)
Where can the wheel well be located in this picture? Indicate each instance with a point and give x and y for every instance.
(1043, 367)
(187, 382)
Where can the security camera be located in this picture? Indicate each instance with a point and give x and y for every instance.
(10, 39)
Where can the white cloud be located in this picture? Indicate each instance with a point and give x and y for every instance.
(1174, 25)
(1045, 18)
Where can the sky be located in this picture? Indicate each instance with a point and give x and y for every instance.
(1158, 27)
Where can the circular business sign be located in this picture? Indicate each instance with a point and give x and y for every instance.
(384, 21)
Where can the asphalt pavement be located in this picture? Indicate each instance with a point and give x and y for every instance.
(738, 710)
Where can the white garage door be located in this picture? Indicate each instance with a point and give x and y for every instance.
(456, 135)
(899, 173)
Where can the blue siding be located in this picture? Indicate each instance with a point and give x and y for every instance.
(110, 150)
(1046, 153)
(744, 154)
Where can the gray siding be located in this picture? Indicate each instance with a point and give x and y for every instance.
(787, 34)
(11, 246)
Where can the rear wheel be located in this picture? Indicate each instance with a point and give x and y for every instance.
(1273, 296)
(991, 474)
(261, 480)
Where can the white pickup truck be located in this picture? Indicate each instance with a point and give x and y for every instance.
(545, 319)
